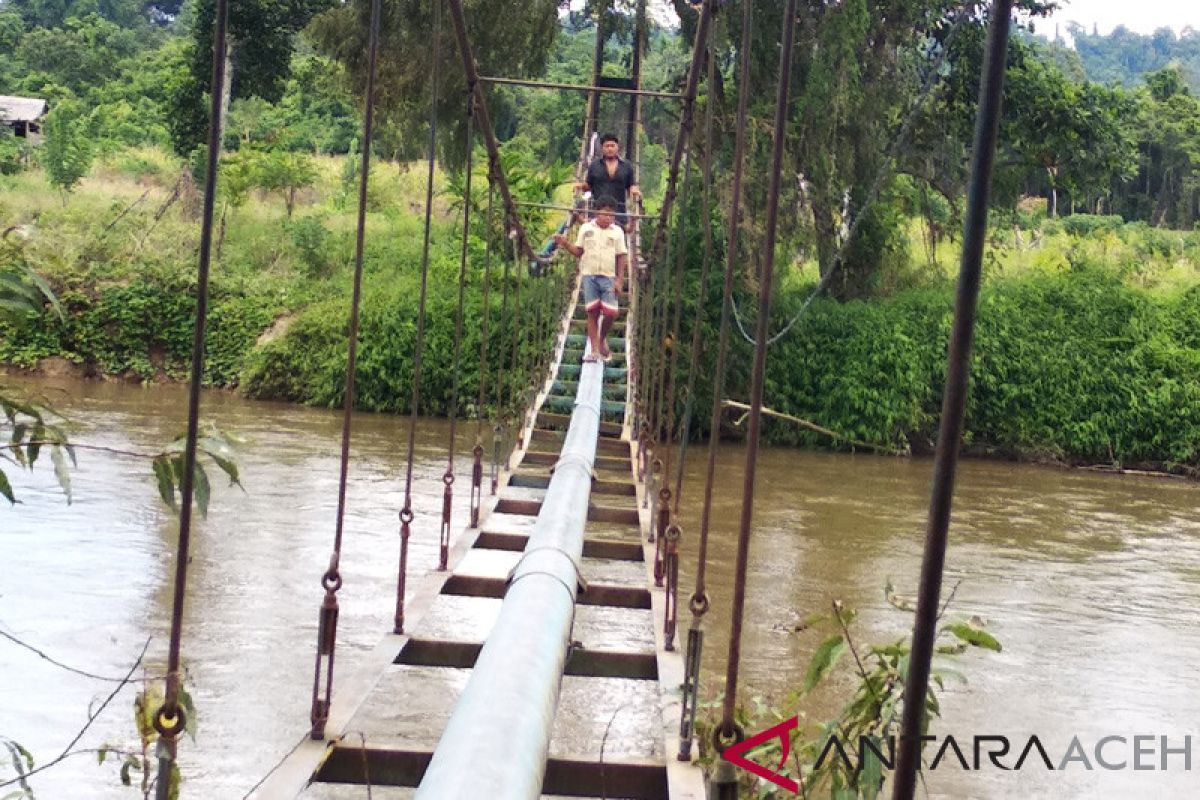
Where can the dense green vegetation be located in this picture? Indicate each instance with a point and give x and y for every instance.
(1086, 347)
(1124, 56)
(121, 257)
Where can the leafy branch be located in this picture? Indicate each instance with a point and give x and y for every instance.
(24, 765)
(29, 427)
(871, 715)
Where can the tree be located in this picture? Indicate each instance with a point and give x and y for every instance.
(509, 39)
(286, 173)
(857, 68)
(81, 55)
(67, 152)
(1124, 56)
(261, 34)
(1170, 146)
(1079, 133)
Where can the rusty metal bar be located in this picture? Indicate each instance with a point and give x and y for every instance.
(170, 720)
(406, 513)
(485, 125)
(954, 400)
(728, 725)
(579, 87)
(331, 580)
(699, 603)
(555, 207)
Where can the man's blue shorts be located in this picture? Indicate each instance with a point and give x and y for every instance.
(599, 294)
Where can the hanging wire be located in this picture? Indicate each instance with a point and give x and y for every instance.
(332, 579)
(659, 310)
(512, 218)
(695, 638)
(705, 268)
(170, 717)
(670, 531)
(448, 475)
(933, 79)
(685, 128)
(728, 729)
(677, 309)
(954, 400)
(477, 452)
(517, 363)
(503, 375)
(406, 513)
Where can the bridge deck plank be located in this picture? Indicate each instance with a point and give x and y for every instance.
(470, 619)
(410, 706)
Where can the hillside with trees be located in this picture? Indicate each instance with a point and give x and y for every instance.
(1125, 57)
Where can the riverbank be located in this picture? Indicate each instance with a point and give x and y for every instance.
(1087, 347)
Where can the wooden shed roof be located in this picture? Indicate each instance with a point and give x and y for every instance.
(21, 109)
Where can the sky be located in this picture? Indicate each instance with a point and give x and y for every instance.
(1142, 16)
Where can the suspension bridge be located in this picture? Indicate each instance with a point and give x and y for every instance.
(545, 656)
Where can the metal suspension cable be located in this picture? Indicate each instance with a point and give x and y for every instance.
(954, 399)
(634, 328)
(700, 602)
(670, 532)
(540, 352)
(659, 310)
(477, 451)
(705, 267)
(471, 70)
(933, 79)
(448, 475)
(660, 323)
(728, 727)
(677, 307)
(685, 126)
(517, 354)
(406, 513)
(691, 679)
(331, 580)
(503, 375)
(170, 717)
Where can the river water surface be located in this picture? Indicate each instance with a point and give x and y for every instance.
(1091, 582)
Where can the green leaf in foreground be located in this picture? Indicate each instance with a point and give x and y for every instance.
(166, 483)
(973, 636)
(823, 660)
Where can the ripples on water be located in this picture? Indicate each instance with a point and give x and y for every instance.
(1091, 583)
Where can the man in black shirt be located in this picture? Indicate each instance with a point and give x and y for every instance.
(612, 176)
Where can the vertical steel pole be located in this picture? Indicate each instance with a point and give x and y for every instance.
(954, 400)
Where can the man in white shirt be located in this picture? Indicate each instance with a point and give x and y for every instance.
(602, 253)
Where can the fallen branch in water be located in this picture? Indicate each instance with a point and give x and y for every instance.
(812, 426)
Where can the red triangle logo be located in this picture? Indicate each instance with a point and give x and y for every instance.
(734, 754)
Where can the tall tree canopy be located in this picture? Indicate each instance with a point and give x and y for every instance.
(261, 36)
(857, 68)
(511, 39)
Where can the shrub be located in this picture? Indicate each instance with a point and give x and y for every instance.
(1088, 224)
